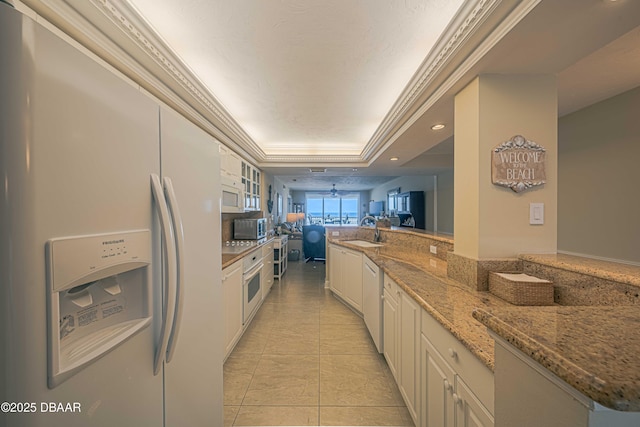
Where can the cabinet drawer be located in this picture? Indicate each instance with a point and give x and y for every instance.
(391, 287)
(467, 366)
(267, 249)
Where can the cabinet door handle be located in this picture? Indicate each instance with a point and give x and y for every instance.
(453, 353)
(447, 386)
(457, 399)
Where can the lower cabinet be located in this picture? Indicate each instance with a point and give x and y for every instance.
(390, 325)
(232, 300)
(409, 356)
(457, 390)
(345, 275)
(438, 380)
(442, 383)
(401, 337)
(335, 270)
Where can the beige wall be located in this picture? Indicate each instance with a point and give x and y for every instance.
(598, 190)
(409, 183)
(445, 202)
(491, 221)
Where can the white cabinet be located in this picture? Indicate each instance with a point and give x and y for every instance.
(470, 412)
(232, 189)
(401, 337)
(456, 388)
(230, 163)
(390, 324)
(267, 269)
(280, 259)
(345, 275)
(372, 286)
(335, 270)
(352, 278)
(409, 353)
(438, 380)
(251, 185)
(232, 305)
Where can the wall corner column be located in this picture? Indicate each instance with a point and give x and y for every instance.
(491, 222)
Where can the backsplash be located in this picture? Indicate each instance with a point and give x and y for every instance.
(580, 289)
(226, 223)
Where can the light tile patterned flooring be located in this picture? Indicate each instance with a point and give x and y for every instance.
(308, 360)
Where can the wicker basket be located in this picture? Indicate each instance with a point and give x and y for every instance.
(521, 289)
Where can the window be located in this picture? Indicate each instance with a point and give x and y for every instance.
(332, 210)
(392, 201)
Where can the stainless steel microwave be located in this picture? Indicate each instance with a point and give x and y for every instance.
(250, 229)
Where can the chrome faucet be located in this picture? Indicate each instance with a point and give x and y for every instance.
(376, 235)
(368, 217)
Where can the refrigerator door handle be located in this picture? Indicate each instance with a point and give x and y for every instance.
(169, 251)
(179, 239)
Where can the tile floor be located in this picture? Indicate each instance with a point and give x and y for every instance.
(307, 360)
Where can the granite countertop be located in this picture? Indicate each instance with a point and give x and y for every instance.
(623, 273)
(594, 349)
(424, 278)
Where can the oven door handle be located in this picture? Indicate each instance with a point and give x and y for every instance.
(254, 270)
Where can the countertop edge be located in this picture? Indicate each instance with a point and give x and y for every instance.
(585, 382)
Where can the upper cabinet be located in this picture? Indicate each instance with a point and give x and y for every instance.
(251, 186)
(238, 173)
(230, 164)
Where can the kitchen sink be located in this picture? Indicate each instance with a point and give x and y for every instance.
(364, 243)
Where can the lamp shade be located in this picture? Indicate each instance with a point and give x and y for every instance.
(292, 217)
(300, 216)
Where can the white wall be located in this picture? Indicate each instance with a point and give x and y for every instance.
(598, 181)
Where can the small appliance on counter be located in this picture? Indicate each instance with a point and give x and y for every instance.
(249, 228)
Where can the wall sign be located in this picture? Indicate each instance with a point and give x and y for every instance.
(518, 164)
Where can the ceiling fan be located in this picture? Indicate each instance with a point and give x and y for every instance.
(334, 192)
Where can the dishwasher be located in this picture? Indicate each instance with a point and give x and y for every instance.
(372, 282)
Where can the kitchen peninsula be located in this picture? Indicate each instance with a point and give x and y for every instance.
(586, 352)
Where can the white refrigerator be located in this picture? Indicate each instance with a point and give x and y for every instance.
(110, 296)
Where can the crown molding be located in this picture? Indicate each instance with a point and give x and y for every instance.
(462, 68)
(115, 32)
(466, 21)
(128, 20)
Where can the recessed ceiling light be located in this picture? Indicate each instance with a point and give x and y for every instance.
(394, 159)
(438, 126)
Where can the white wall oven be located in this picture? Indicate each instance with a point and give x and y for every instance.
(251, 284)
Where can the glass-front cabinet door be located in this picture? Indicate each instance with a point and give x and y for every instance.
(251, 185)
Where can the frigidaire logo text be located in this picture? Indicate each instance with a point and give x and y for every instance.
(113, 242)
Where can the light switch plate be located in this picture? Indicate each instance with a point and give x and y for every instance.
(536, 213)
